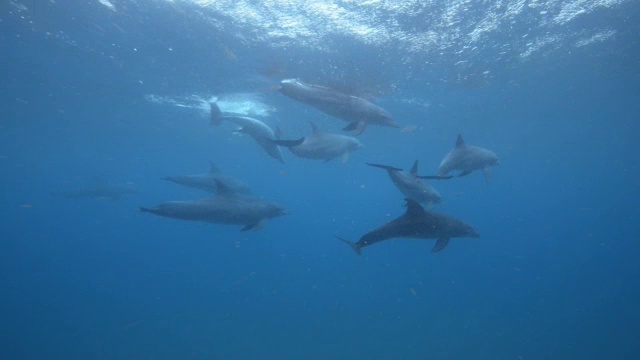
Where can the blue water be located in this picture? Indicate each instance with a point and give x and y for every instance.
(117, 90)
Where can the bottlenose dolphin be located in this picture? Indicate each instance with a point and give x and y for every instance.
(320, 145)
(207, 182)
(357, 111)
(468, 158)
(101, 190)
(226, 207)
(410, 184)
(258, 130)
(417, 223)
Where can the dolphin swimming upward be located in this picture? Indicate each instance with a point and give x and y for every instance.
(410, 184)
(226, 207)
(357, 111)
(417, 223)
(320, 145)
(258, 130)
(468, 158)
(207, 182)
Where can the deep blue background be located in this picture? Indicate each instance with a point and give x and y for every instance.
(554, 275)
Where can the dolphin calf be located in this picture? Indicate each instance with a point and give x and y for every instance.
(207, 182)
(259, 131)
(411, 185)
(468, 158)
(226, 207)
(417, 223)
(101, 190)
(357, 111)
(320, 145)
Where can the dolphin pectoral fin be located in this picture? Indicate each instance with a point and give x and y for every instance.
(464, 173)
(487, 174)
(353, 245)
(345, 157)
(440, 244)
(386, 167)
(255, 226)
(287, 143)
(356, 127)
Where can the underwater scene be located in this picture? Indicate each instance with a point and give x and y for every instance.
(320, 179)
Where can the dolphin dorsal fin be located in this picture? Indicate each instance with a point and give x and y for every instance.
(213, 169)
(314, 128)
(223, 190)
(459, 141)
(414, 168)
(414, 208)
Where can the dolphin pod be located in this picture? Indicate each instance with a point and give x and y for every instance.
(227, 206)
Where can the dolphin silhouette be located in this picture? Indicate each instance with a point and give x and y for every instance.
(226, 207)
(468, 158)
(207, 182)
(321, 145)
(357, 111)
(411, 185)
(259, 131)
(416, 223)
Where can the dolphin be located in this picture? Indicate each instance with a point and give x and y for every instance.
(226, 207)
(416, 223)
(320, 145)
(258, 130)
(207, 182)
(468, 158)
(357, 111)
(411, 185)
(101, 190)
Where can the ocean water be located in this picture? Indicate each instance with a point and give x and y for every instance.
(116, 92)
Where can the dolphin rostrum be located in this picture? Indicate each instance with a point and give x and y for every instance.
(357, 111)
(417, 223)
(410, 184)
(226, 207)
(207, 182)
(320, 145)
(259, 131)
(468, 158)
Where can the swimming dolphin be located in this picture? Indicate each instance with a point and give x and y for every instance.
(207, 182)
(258, 130)
(226, 207)
(416, 223)
(410, 184)
(357, 111)
(468, 158)
(320, 145)
(101, 190)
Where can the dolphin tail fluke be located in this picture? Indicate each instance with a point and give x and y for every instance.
(288, 143)
(353, 245)
(144, 209)
(386, 167)
(215, 114)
